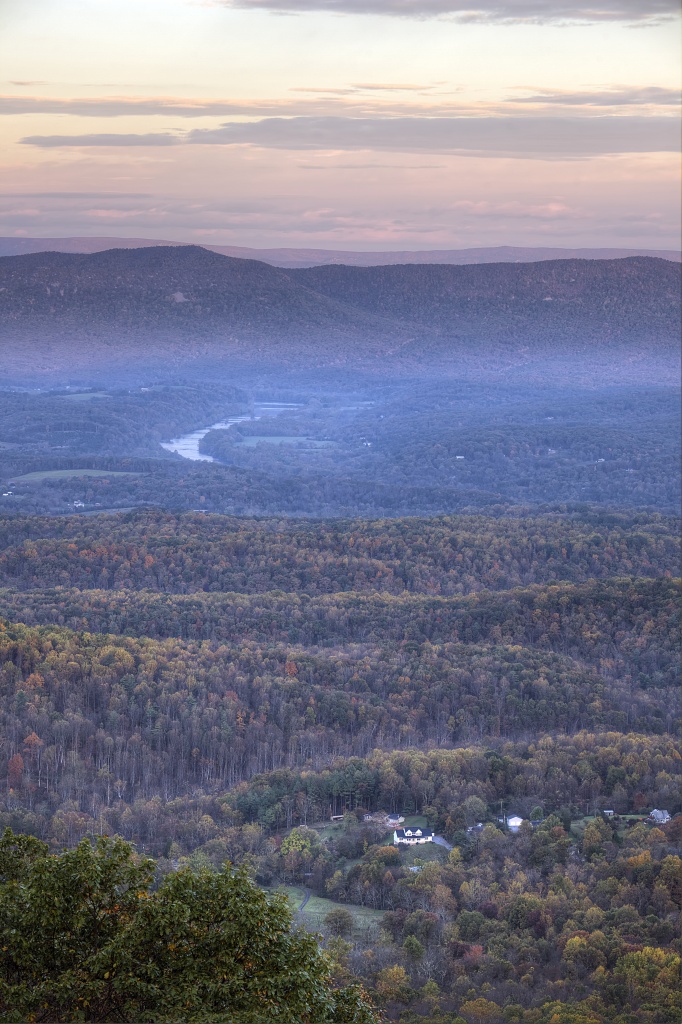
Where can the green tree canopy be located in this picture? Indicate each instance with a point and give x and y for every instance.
(84, 937)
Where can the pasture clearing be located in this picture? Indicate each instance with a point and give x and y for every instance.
(304, 442)
(415, 821)
(84, 396)
(63, 474)
(317, 907)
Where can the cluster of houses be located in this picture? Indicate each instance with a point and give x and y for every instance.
(410, 836)
(415, 836)
(657, 816)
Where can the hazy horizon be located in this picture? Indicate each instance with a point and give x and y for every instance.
(338, 125)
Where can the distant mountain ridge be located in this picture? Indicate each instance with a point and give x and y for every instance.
(171, 305)
(292, 257)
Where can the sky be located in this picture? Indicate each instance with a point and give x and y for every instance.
(348, 124)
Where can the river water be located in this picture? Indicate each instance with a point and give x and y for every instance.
(188, 444)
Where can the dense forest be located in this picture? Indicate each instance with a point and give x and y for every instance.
(574, 920)
(448, 555)
(216, 688)
(162, 715)
(453, 603)
(626, 626)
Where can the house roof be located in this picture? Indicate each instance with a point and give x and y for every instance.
(413, 833)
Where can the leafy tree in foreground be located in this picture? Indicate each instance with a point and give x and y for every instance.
(83, 937)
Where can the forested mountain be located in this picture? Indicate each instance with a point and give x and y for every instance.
(65, 310)
(134, 709)
(579, 303)
(153, 304)
(365, 648)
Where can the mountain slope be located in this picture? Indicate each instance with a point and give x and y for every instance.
(579, 302)
(151, 306)
(161, 287)
(161, 303)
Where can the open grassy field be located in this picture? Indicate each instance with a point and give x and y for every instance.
(307, 442)
(415, 821)
(328, 829)
(410, 856)
(626, 821)
(84, 396)
(62, 474)
(316, 909)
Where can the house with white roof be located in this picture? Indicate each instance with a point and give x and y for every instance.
(411, 836)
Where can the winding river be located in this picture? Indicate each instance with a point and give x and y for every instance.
(188, 445)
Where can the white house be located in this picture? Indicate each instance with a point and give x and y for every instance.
(411, 836)
(659, 817)
(514, 823)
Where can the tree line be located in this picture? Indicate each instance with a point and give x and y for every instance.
(623, 627)
(66, 789)
(446, 555)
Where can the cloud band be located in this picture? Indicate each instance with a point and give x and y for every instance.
(540, 11)
(541, 137)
